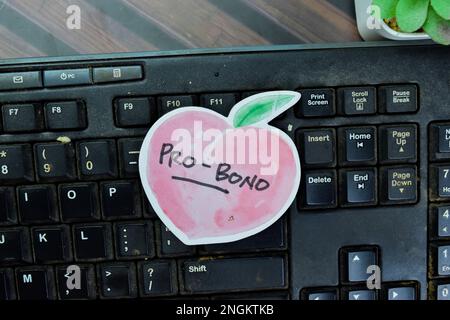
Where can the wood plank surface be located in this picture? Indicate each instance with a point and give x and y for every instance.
(14, 46)
(38, 27)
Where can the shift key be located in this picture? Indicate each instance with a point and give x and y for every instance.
(240, 274)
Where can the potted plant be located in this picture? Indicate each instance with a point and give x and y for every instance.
(404, 19)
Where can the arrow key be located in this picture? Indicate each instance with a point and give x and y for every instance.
(402, 293)
(357, 263)
(322, 294)
(362, 295)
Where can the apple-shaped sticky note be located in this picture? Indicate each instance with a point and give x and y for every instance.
(213, 179)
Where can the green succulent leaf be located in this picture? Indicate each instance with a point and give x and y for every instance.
(437, 28)
(262, 108)
(442, 8)
(412, 14)
(387, 8)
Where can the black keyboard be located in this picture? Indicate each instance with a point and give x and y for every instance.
(372, 129)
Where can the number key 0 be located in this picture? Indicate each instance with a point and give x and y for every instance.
(97, 159)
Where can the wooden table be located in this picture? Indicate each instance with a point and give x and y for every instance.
(39, 27)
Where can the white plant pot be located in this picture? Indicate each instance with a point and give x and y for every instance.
(382, 31)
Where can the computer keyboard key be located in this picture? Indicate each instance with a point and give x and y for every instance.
(399, 185)
(8, 210)
(22, 118)
(37, 204)
(55, 161)
(359, 187)
(357, 264)
(398, 143)
(79, 202)
(149, 212)
(118, 73)
(51, 244)
(443, 260)
(157, 278)
(270, 239)
(402, 293)
(358, 145)
(443, 138)
(135, 112)
(35, 283)
(398, 98)
(129, 150)
(117, 280)
(361, 295)
(16, 164)
(93, 242)
(71, 288)
(120, 199)
(219, 102)
(135, 240)
(357, 101)
(444, 182)
(170, 246)
(65, 115)
(439, 141)
(234, 274)
(20, 80)
(439, 182)
(319, 294)
(7, 285)
(169, 103)
(319, 190)
(15, 246)
(443, 220)
(316, 103)
(317, 147)
(443, 292)
(67, 77)
(97, 159)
